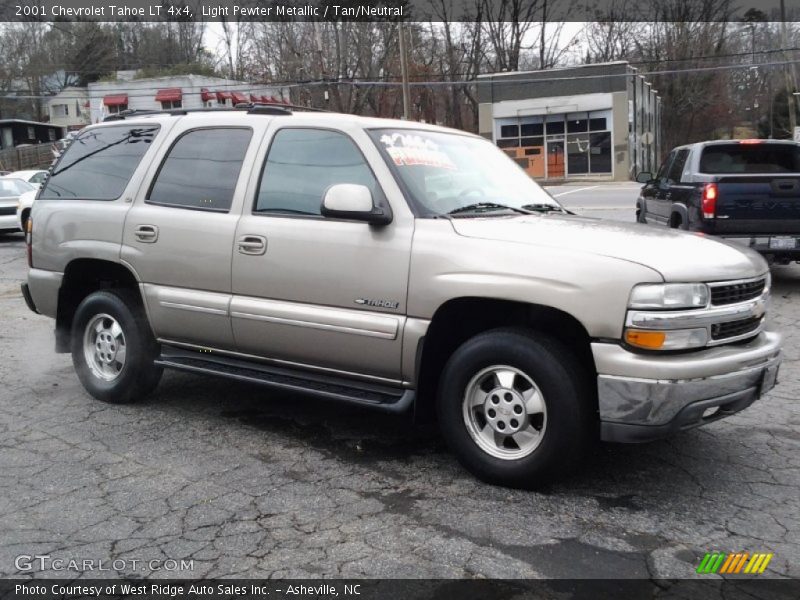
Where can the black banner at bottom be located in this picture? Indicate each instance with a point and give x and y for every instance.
(750, 588)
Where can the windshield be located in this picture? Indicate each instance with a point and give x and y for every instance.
(460, 175)
(14, 187)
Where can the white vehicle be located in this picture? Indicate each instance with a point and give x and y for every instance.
(35, 176)
(11, 189)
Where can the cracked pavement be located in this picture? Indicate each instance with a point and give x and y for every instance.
(250, 483)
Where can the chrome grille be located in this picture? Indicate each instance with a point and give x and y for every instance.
(721, 331)
(731, 293)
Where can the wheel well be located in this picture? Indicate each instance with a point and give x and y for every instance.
(82, 277)
(675, 220)
(458, 320)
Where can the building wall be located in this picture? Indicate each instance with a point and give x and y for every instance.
(142, 92)
(626, 145)
(69, 108)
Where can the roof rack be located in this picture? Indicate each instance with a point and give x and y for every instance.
(253, 108)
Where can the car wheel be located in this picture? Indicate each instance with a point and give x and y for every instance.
(515, 407)
(113, 348)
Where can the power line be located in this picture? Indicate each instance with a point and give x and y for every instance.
(504, 79)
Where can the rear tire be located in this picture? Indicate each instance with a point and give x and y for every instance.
(640, 218)
(515, 406)
(113, 348)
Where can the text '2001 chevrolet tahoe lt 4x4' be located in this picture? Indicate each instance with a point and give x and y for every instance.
(394, 265)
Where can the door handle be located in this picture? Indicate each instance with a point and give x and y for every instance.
(252, 244)
(147, 234)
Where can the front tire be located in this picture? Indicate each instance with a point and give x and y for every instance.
(515, 407)
(113, 348)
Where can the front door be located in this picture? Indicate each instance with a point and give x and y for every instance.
(179, 235)
(313, 291)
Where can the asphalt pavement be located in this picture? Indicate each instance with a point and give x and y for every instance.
(616, 201)
(242, 481)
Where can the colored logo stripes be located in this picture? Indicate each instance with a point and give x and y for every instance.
(742, 562)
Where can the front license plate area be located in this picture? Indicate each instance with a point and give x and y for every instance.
(782, 243)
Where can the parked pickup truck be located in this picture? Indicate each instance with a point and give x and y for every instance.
(744, 191)
(392, 265)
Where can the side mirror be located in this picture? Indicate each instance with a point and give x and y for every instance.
(353, 201)
(644, 177)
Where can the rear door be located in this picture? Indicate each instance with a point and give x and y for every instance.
(179, 234)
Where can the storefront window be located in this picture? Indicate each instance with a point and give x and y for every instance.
(600, 152)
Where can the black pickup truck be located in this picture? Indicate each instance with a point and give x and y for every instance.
(745, 191)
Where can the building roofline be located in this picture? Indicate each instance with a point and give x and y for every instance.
(26, 122)
(555, 69)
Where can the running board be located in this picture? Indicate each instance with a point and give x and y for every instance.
(380, 397)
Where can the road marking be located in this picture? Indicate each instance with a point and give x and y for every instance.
(583, 189)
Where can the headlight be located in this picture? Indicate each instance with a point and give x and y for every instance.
(669, 295)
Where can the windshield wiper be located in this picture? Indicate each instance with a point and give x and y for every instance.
(542, 207)
(486, 207)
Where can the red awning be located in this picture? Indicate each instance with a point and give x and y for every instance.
(205, 95)
(273, 99)
(169, 95)
(222, 96)
(238, 98)
(264, 99)
(287, 101)
(116, 100)
(254, 98)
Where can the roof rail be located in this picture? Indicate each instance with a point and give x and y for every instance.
(254, 108)
(289, 107)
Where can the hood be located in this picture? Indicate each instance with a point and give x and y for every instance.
(677, 255)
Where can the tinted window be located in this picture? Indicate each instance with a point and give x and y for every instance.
(303, 163)
(532, 129)
(676, 168)
(750, 158)
(507, 131)
(597, 124)
(201, 169)
(98, 164)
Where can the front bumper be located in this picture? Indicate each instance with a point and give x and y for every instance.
(646, 396)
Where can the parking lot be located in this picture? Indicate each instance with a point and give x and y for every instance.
(246, 482)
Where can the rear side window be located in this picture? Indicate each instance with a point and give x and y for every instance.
(730, 159)
(201, 170)
(303, 163)
(676, 168)
(99, 163)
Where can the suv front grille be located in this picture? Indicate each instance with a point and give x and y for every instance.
(737, 292)
(8, 210)
(721, 331)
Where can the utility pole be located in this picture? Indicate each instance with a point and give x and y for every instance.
(404, 71)
(790, 88)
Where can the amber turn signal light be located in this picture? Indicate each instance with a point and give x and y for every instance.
(651, 340)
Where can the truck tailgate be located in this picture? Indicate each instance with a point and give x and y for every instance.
(758, 204)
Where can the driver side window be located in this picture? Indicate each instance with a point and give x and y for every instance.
(302, 164)
(662, 170)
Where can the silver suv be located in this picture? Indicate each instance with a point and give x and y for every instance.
(395, 266)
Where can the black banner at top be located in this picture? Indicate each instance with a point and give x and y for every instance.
(400, 10)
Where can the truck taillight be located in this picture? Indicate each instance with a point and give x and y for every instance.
(29, 240)
(708, 201)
